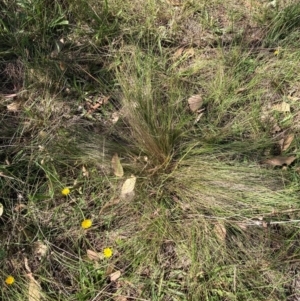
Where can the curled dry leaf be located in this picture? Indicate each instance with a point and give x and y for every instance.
(282, 107)
(190, 52)
(62, 66)
(185, 53)
(220, 231)
(4, 176)
(85, 172)
(10, 95)
(20, 207)
(1, 209)
(27, 268)
(116, 166)
(95, 256)
(34, 289)
(127, 191)
(121, 298)
(195, 102)
(115, 117)
(287, 142)
(279, 161)
(242, 226)
(178, 53)
(292, 98)
(176, 2)
(115, 276)
(13, 107)
(40, 249)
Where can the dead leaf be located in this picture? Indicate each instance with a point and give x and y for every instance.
(57, 48)
(105, 100)
(275, 129)
(13, 107)
(116, 165)
(115, 276)
(241, 90)
(121, 298)
(195, 102)
(220, 231)
(178, 53)
(127, 191)
(10, 95)
(34, 289)
(282, 107)
(20, 207)
(115, 117)
(242, 226)
(4, 176)
(175, 2)
(62, 66)
(287, 141)
(280, 160)
(40, 249)
(1, 209)
(27, 268)
(111, 203)
(189, 53)
(95, 256)
(292, 98)
(85, 172)
(93, 108)
(200, 114)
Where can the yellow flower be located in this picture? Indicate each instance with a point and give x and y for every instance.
(9, 280)
(65, 191)
(107, 252)
(87, 223)
(276, 52)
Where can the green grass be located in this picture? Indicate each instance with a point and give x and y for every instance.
(83, 80)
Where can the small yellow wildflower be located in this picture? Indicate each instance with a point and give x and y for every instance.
(65, 191)
(9, 280)
(276, 52)
(107, 252)
(87, 223)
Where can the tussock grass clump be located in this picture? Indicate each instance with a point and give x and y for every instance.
(152, 108)
(284, 27)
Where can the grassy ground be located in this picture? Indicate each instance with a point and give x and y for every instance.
(199, 100)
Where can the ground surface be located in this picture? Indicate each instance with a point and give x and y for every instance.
(149, 150)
